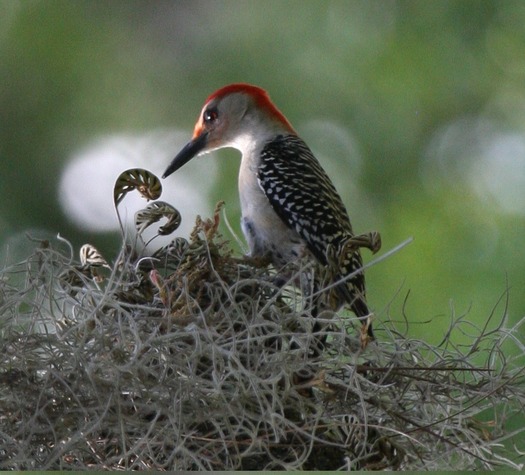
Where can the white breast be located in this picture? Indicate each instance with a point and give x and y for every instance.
(266, 234)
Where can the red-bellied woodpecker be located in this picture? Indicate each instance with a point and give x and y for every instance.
(290, 208)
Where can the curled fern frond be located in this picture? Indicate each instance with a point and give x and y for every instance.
(90, 256)
(145, 182)
(155, 212)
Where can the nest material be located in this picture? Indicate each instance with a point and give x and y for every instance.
(198, 360)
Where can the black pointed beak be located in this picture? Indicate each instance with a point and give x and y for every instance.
(190, 150)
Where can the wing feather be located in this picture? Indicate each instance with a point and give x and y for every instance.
(302, 194)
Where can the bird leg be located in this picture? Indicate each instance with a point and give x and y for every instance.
(364, 335)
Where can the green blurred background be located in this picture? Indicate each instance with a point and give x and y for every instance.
(416, 109)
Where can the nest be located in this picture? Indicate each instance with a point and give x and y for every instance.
(195, 359)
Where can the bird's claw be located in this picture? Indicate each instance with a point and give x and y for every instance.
(365, 335)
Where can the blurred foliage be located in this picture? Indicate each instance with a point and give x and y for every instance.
(396, 75)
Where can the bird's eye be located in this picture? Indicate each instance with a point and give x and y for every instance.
(210, 115)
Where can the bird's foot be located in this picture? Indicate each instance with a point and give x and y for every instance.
(366, 335)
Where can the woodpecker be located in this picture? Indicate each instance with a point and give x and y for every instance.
(290, 208)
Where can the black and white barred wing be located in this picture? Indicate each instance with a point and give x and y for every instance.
(302, 195)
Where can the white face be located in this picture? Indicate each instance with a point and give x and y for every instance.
(235, 121)
(220, 120)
